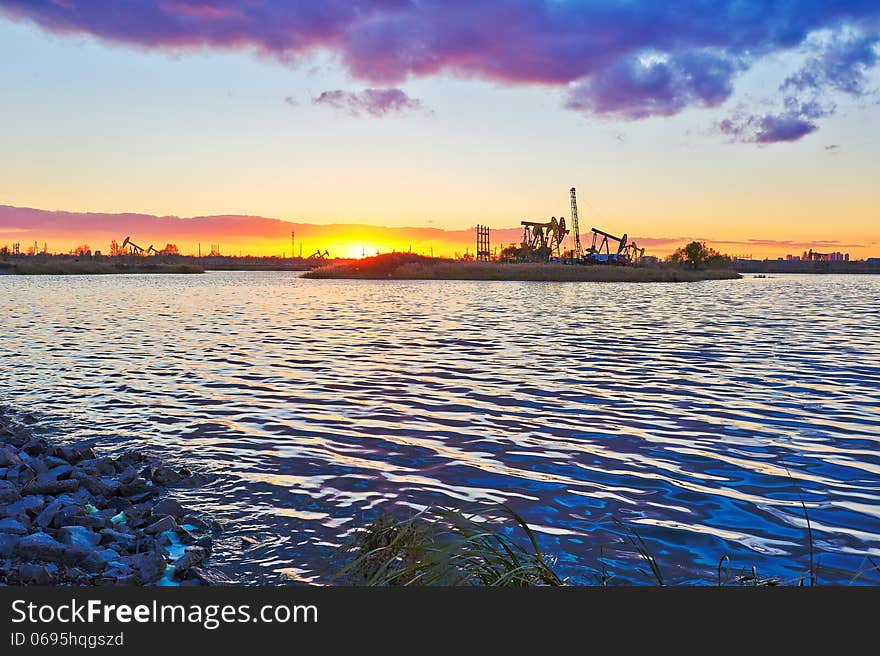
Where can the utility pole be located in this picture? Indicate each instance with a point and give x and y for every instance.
(200, 249)
(292, 251)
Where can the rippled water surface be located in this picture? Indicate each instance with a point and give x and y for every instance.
(696, 413)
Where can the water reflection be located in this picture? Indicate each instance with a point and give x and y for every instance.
(697, 413)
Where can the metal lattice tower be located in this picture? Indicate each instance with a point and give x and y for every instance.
(578, 252)
(483, 250)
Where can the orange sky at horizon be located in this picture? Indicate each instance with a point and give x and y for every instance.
(62, 232)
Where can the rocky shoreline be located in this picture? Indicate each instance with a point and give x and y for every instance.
(70, 516)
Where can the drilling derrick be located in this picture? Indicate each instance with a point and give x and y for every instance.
(578, 252)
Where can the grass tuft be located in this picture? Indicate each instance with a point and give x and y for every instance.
(448, 547)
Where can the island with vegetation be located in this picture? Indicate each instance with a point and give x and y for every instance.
(682, 267)
(60, 266)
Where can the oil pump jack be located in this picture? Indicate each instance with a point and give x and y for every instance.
(601, 253)
(133, 248)
(542, 239)
(635, 253)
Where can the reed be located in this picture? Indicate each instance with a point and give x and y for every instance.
(493, 546)
(55, 267)
(449, 547)
(409, 266)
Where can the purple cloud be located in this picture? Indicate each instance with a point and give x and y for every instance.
(628, 60)
(840, 65)
(376, 102)
(767, 129)
(643, 87)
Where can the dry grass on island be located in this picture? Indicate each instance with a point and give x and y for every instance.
(62, 267)
(409, 266)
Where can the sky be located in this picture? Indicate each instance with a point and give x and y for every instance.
(749, 124)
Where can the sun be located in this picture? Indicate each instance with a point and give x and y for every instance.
(355, 250)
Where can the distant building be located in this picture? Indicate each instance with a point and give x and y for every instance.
(815, 256)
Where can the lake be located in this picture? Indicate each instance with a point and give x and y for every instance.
(699, 414)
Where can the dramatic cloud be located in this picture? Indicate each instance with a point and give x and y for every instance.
(842, 65)
(626, 60)
(770, 128)
(642, 87)
(839, 64)
(376, 102)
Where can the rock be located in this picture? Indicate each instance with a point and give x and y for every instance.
(47, 515)
(109, 555)
(73, 453)
(35, 446)
(78, 575)
(120, 574)
(129, 475)
(8, 492)
(93, 485)
(192, 557)
(167, 523)
(185, 536)
(117, 505)
(34, 574)
(29, 504)
(210, 576)
(206, 542)
(79, 536)
(46, 484)
(130, 458)
(149, 566)
(9, 457)
(195, 520)
(137, 516)
(143, 496)
(168, 507)
(163, 475)
(39, 546)
(194, 481)
(15, 475)
(35, 463)
(121, 540)
(92, 563)
(104, 466)
(9, 525)
(8, 541)
(94, 522)
(69, 515)
(137, 490)
(61, 471)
